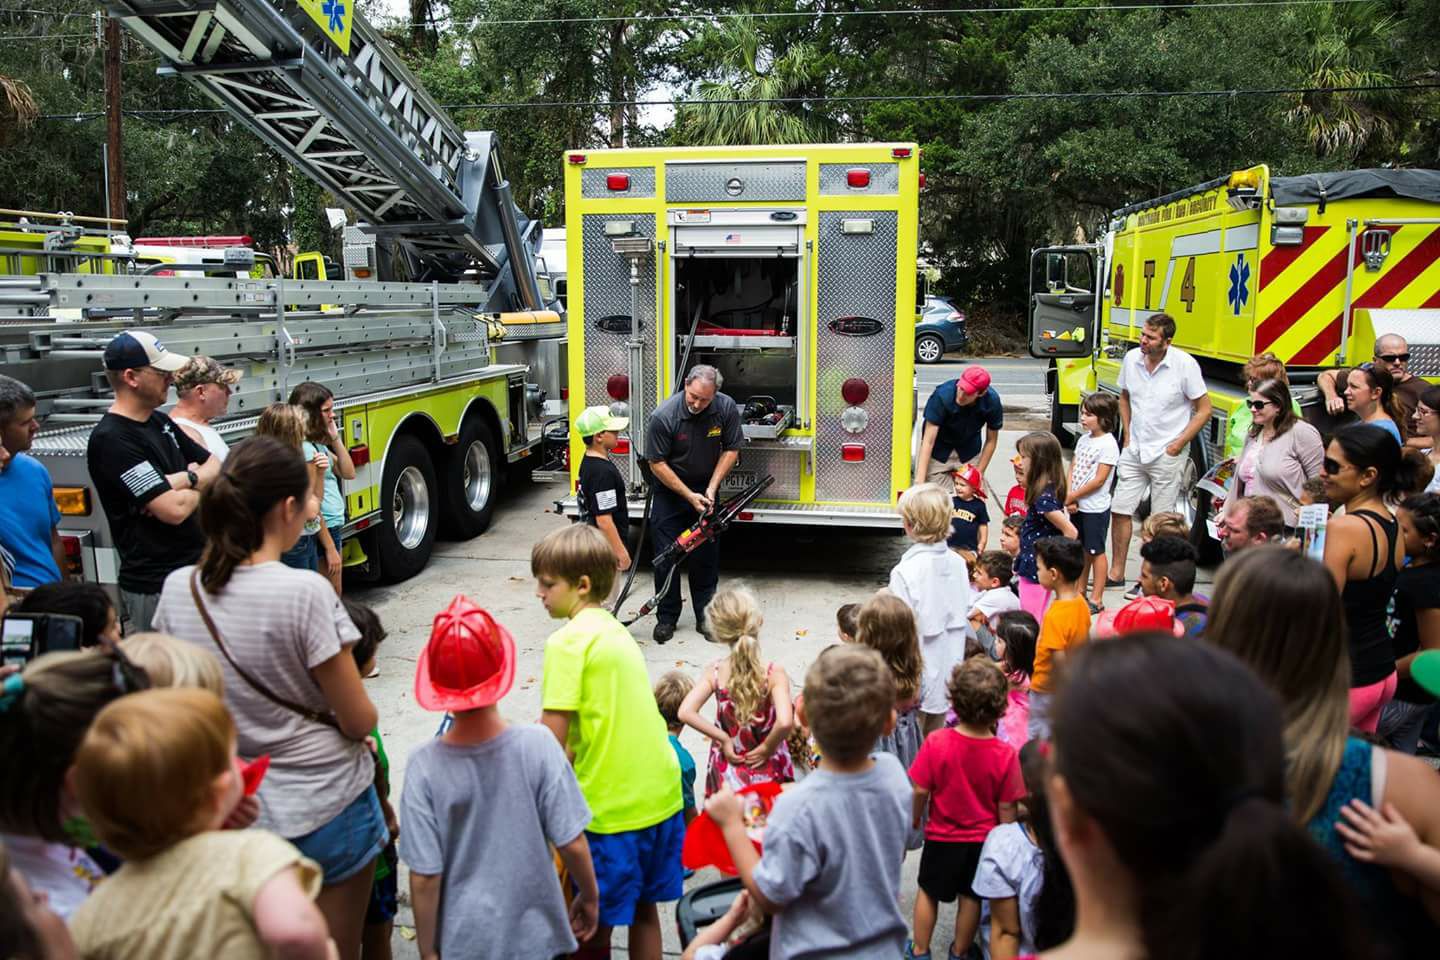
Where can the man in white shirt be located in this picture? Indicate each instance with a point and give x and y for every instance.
(1163, 404)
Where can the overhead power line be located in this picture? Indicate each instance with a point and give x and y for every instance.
(857, 98)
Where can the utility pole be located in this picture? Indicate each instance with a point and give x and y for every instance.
(114, 153)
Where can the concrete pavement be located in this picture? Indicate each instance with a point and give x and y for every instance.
(801, 576)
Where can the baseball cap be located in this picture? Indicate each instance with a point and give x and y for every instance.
(469, 661)
(130, 349)
(1146, 614)
(975, 380)
(201, 370)
(1425, 670)
(593, 420)
(971, 475)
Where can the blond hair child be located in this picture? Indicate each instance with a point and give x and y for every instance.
(934, 582)
(753, 713)
(156, 776)
(172, 662)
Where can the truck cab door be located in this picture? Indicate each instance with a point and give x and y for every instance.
(1063, 301)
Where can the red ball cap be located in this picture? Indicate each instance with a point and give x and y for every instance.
(975, 380)
(469, 661)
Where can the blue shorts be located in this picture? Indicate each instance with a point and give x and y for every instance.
(304, 555)
(1093, 528)
(637, 866)
(350, 842)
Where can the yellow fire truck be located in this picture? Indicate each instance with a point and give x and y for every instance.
(1311, 268)
(791, 269)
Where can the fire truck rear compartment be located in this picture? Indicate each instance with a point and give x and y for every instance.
(743, 311)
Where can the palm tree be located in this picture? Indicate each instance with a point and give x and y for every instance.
(755, 101)
(1348, 46)
(17, 109)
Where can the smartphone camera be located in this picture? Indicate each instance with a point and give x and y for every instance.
(25, 636)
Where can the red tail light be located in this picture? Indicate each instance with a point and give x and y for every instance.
(922, 181)
(622, 446)
(857, 179)
(564, 393)
(360, 455)
(900, 153)
(577, 158)
(618, 386)
(74, 562)
(746, 515)
(855, 391)
(617, 181)
(852, 452)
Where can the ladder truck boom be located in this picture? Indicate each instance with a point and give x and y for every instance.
(358, 123)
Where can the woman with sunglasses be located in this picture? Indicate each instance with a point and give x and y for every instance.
(1370, 395)
(1281, 451)
(1363, 549)
(1426, 423)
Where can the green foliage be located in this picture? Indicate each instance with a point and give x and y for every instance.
(1014, 163)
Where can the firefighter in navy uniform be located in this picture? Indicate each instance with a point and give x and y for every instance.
(692, 441)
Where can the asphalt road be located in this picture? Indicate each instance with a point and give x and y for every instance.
(1020, 381)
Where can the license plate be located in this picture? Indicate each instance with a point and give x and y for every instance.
(737, 480)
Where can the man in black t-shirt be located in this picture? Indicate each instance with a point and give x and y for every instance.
(600, 488)
(147, 472)
(692, 441)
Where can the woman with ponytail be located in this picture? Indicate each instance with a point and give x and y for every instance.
(282, 638)
(753, 712)
(1280, 612)
(1167, 795)
(1370, 395)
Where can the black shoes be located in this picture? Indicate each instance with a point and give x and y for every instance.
(663, 631)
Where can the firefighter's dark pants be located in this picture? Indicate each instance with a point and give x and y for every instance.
(669, 516)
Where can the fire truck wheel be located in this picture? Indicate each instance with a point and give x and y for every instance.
(470, 481)
(409, 502)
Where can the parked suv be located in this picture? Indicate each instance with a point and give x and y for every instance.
(939, 329)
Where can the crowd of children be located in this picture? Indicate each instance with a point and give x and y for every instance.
(1124, 797)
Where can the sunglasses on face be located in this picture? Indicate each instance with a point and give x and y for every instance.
(1332, 466)
(1393, 357)
(1256, 404)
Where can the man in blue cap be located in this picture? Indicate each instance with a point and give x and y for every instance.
(147, 472)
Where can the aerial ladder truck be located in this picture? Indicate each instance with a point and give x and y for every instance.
(440, 345)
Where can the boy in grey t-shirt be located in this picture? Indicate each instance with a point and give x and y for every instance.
(482, 804)
(830, 871)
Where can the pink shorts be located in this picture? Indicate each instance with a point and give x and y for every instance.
(1367, 702)
(1034, 599)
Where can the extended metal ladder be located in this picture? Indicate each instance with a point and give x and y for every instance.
(388, 336)
(360, 125)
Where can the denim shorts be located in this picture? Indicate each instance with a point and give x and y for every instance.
(638, 866)
(304, 555)
(350, 841)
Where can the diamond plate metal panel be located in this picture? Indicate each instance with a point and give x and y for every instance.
(607, 293)
(884, 179)
(715, 182)
(1425, 359)
(855, 277)
(592, 182)
(783, 465)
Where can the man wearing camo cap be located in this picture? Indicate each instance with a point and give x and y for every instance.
(203, 387)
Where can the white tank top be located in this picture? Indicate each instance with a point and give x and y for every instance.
(209, 437)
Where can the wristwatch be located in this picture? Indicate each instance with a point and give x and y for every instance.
(193, 477)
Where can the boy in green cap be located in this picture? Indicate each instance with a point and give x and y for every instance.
(600, 488)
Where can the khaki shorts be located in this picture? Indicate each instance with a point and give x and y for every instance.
(941, 473)
(1133, 479)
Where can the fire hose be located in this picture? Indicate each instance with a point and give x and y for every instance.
(707, 528)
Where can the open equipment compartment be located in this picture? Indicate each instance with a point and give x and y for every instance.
(738, 289)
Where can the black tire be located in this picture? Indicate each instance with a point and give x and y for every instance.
(470, 481)
(1206, 547)
(1061, 414)
(929, 348)
(410, 504)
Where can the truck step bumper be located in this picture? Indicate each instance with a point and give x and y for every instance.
(817, 514)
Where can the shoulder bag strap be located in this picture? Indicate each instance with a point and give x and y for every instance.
(256, 685)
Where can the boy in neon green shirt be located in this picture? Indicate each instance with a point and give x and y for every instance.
(596, 698)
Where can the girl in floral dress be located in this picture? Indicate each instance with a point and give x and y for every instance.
(753, 711)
